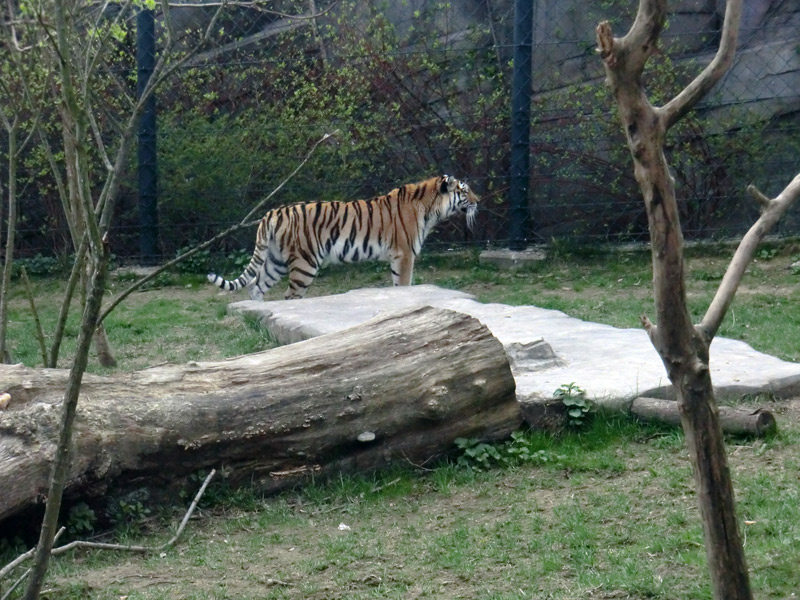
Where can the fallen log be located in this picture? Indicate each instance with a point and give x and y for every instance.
(401, 386)
(758, 422)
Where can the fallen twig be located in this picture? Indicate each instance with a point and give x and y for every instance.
(103, 546)
(20, 559)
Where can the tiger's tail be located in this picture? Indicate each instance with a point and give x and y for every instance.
(265, 269)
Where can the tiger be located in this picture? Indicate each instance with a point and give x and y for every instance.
(299, 239)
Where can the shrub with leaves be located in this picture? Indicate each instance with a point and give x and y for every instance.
(522, 448)
(577, 404)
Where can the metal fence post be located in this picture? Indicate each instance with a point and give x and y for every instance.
(147, 159)
(520, 124)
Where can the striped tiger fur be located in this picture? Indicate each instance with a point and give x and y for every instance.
(299, 239)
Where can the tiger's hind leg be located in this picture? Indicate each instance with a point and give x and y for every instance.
(402, 266)
(270, 273)
(301, 275)
(255, 293)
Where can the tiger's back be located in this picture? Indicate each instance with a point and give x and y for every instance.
(299, 239)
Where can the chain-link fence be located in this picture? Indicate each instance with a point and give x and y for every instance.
(424, 87)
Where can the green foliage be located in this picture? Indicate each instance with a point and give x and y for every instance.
(197, 264)
(228, 141)
(521, 448)
(81, 519)
(477, 454)
(767, 253)
(128, 513)
(38, 266)
(578, 406)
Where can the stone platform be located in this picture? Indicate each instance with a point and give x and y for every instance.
(546, 348)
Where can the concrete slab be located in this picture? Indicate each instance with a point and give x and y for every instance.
(546, 348)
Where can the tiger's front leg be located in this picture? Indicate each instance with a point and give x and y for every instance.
(402, 269)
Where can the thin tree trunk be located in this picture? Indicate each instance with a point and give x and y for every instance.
(61, 323)
(61, 461)
(683, 347)
(35, 313)
(8, 263)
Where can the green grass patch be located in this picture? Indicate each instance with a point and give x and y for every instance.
(614, 516)
(604, 510)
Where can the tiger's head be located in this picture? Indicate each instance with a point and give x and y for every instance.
(462, 198)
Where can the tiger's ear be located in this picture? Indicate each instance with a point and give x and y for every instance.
(449, 183)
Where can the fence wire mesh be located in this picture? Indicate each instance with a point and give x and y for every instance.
(424, 87)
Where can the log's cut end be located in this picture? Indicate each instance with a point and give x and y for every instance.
(765, 423)
(402, 386)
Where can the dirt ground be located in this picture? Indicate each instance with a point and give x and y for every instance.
(218, 557)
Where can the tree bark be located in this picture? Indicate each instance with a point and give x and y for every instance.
(105, 356)
(402, 386)
(683, 348)
(735, 421)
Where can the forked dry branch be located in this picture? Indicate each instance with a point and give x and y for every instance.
(684, 347)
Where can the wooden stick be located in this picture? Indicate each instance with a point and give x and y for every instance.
(102, 546)
(22, 577)
(734, 421)
(23, 557)
(189, 512)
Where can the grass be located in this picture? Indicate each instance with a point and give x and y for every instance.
(181, 320)
(607, 511)
(613, 517)
(613, 288)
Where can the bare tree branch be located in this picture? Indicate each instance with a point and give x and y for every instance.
(762, 200)
(245, 222)
(22, 558)
(676, 108)
(773, 212)
(69, 292)
(641, 40)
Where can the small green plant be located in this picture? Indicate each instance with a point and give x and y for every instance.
(197, 264)
(128, 513)
(522, 448)
(81, 519)
(577, 404)
(38, 266)
(239, 259)
(767, 253)
(479, 455)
